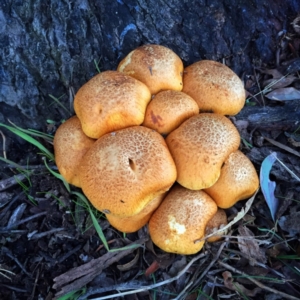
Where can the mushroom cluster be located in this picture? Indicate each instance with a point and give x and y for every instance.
(151, 143)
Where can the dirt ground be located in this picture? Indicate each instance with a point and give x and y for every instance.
(49, 247)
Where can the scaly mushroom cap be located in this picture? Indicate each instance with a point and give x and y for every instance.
(157, 66)
(215, 87)
(181, 220)
(126, 169)
(111, 101)
(136, 222)
(199, 147)
(70, 145)
(238, 181)
(218, 221)
(168, 110)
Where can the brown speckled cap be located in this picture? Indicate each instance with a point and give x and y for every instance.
(238, 181)
(200, 146)
(126, 169)
(215, 87)
(111, 101)
(136, 222)
(168, 110)
(70, 145)
(157, 66)
(181, 220)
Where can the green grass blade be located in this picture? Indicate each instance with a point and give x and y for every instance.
(34, 132)
(58, 176)
(73, 295)
(59, 103)
(94, 219)
(12, 163)
(29, 139)
(97, 65)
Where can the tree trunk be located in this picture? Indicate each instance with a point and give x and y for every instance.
(53, 47)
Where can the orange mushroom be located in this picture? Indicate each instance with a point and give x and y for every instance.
(157, 66)
(199, 146)
(70, 145)
(238, 181)
(111, 101)
(135, 222)
(215, 87)
(181, 220)
(218, 221)
(168, 110)
(125, 170)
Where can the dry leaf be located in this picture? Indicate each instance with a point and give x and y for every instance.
(276, 74)
(239, 288)
(284, 94)
(268, 186)
(293, 142)
(250, 247)
(279, 83)
(290, 223)
(152, 268)
(132, 263)
(282, 146)
(177, 266)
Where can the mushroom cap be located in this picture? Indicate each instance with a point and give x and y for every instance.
(215, 87)
(181, 220)
(136, 222)
(111, 101)
(168, 110)
(126, 169)
(70, 145)
(238, 181)
(199, 147)
(157, 66)
(218, 221)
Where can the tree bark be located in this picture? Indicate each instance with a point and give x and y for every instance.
(52, 47)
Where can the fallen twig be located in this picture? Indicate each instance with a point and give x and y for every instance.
(78, 277)
(7, 228)
(11, 181)
(136, 287)
(259, 284)
(197, 282)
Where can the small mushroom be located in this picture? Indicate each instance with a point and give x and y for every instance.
(215, 87)
(70, 145)
(111, 101)
(181, 220)
(199, 146)
(136, 222)
(125, 171)
(168, 110)
(157, 66)
(238, 181)
(218, 221)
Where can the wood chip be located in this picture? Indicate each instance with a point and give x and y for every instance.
(250, 247)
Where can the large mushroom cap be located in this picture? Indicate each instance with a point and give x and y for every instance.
(238, 181)
(136, 222)
(126, 169)
(70, 145)
(215, 87)
(111, 101)
(157, 66)
(181, 220)
(200, 146)
(168, 110)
